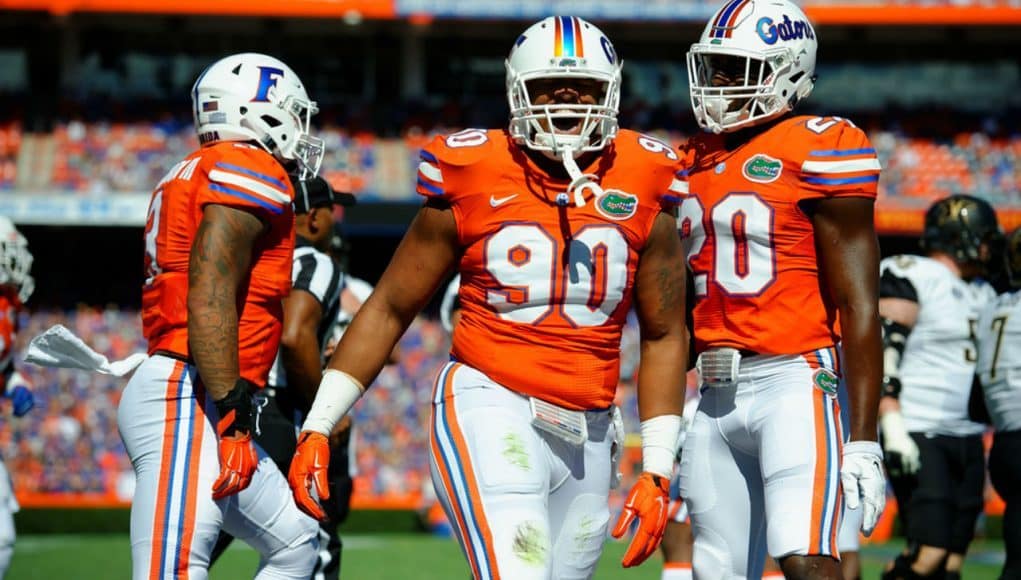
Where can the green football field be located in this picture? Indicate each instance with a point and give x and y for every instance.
(375, 557)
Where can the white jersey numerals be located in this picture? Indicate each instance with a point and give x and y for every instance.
(152, 229)
(743, 261)
(524, 258)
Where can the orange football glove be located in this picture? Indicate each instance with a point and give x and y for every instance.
(648, 501)
(238, 459)
(308, 468)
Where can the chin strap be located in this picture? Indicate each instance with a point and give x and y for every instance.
(580, 182)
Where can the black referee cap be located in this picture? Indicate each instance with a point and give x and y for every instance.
(316, 192)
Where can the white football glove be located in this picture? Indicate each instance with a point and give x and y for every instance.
(864, 482)
(901, 450)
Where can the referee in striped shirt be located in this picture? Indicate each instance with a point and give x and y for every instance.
(310, 312)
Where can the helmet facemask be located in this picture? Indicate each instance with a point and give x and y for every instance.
(286, 133)
(733, 88)
(564, 52)
(554, 127)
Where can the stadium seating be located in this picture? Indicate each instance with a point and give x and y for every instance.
(97, 158)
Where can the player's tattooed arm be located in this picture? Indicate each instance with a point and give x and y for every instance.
(220, 257)
(660, 305)
(848, 253)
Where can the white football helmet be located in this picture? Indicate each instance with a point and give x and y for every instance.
(769, 45)
(15, 260)
(255, 97)
(563, 47)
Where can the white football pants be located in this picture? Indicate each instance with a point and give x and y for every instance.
(8, 507)
(761, 466)
(525, 505)
(167, 424)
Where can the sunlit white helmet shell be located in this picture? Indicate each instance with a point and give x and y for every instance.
(775, 33)
(15, 260)
(255, 97)
(563, 47)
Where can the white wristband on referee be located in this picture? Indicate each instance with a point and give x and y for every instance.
(338, 392)
(659, 444)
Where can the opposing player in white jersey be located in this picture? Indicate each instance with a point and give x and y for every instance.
(930, 306)
(999, 368)
(16, 285)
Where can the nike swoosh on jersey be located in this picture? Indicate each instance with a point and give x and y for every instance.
(493, 201)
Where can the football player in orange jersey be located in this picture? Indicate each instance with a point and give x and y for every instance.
(16, 286)
(218, 246)
(782, 246)
(557, 226)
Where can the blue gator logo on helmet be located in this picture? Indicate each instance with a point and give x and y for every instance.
(789, 29)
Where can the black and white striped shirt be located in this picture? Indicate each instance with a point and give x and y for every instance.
(316, 273)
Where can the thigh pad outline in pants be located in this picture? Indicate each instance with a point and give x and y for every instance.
(491, 473)
(579, 512)
(801, 440)
(722, 490)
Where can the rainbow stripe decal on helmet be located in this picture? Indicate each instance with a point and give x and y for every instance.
(725, 21)
(567, 37)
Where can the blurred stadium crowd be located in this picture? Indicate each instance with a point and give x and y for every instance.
(925, 156)
(72, 446)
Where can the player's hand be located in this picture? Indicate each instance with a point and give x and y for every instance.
(902, 455)
(22, 400)
(238, 459)
(864, 483)
(308, 469)
(649, 502)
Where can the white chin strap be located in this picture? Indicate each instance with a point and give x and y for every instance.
(580, 182)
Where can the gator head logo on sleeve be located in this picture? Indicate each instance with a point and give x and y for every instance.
(762, 168)
(617, 205)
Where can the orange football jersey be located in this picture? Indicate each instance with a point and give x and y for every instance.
(750, 246)
(236, 175)
(9, 307)
(545, 288)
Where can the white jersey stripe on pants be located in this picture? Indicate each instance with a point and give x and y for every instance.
(456, 478)
(828, 452)
(171, 545)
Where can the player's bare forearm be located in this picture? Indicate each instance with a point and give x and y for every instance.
(299, 343)
(220, 257)
(849, 262)
(424, 257)
(302, 363)
(659, 303)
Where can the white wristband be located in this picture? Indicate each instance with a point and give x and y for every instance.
(659, 444)
(338, 392)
